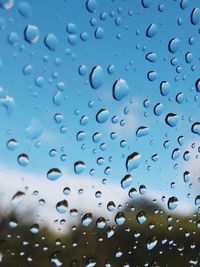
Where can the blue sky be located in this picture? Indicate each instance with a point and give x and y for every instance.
(125, 45)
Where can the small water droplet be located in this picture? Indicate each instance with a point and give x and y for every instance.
(133, 161)
(141, 217)
(51, 41)
(126, 181)
(196, 128)
(151, 243)
(53, 174)
(23, 160)
(92, 5)
(120, 218)
(120, 89)
(174, 45)
(142, 131)
(62, 206)
(86, 219)
(152, 30)
(31, 34)
(79, 167)
(96, 77)
(172, 119)
(164, 88)
(172, 203)
(102, 115)
(12, 144)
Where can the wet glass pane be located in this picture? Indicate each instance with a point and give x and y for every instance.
(99, 133)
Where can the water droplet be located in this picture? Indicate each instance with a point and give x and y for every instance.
(188, 57)
(92, 5)
(62, 206)
(174, 45)
(34, 229)
(31, 34)
(197, 85)
(79, 167)
(51, 41)
(164, 88)
(99, 33)
(66, 191)
(176, 153)
(71, 28)
(24, 9)
(172, 203)
(13, 223)
(55, 259)
(23, 160)
(101, 222)
(120, 218)
(133, 161)
(86, 219)
(197, 200)
(152, 75)
(158, 109)
(152, 30)
(142, 131)
(196, 128)
(172, 119)
(151, 243)
(53, 174)
(111, 206)
(12, 144)
(96, 77)
(141, 217)
(102, 115)
(8, 103)
(17, 198)
(146, 3)
(152, 57)
(126, 181)
(195, 16)
(120, 89)
(6, 4)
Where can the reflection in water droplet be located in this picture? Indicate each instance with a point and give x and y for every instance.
(51, 41)
(141, 217)
(86, 219)
(152, 30)
(53, 174)
(62, 206)
(120, 89)
(172, 203)
(23, 159)
(12, 144)
(126, 181)
(96, 77)
(120, 218)
(174, 45)
(31, 34)
(172, 119)
(79, 167)
(133, 161)
(196, 128)
(195, 16)
(151, 243)
(102, 115)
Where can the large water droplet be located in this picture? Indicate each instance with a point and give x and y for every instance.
(142, 131)
(51, 41)
(92, 5)
(196, 128)
(120, 89)
(126, 181)
(86, 219)
(102, 116)
(62, 206)
(141, 217)
(164, 88)
(174, 45)
(195, 16)
(23, 160)
(172, 203)
(31, 34)
(53, 174)
(79, 167)
(151, 31)
(172, 119)
(120, 218)
(133, 161)
(96, 77)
